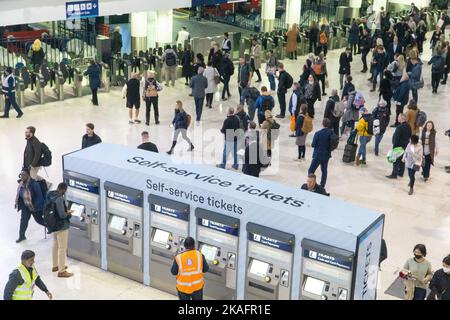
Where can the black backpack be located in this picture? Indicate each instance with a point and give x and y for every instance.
(369, 119)
(289, 81)
(334, 141)
(51, 217)
(46, 156)
(254, 93)
(171, 59)
(266, 104)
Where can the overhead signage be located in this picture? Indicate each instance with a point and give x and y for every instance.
(183, 215)
(81, 9)
(84, 186)
(328, 259)
(135, 201)
(270, 242)
(197, 3)
(233, 230)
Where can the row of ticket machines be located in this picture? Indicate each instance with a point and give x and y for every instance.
(326, 270)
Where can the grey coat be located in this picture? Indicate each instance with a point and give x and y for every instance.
(199, 83)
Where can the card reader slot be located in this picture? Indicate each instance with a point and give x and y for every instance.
(162, 254)
(260, 287)
(119, 239)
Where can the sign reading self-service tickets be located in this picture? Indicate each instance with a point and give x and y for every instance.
(81, 9)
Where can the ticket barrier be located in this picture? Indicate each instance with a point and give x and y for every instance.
(83, 198)
(78, 82)
(124, 207)
(326, 272)
(169, 222)
(270, 255)
(25, 81)
(218, 240)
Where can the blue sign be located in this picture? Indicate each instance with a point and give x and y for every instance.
(270, 242)
(328, 259)
(81, 9)
(197, 3)
(84, 186)
(124, 198)
(170, 212)
(218, 226)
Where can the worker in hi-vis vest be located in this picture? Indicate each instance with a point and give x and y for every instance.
(189, 267)
(22, 280)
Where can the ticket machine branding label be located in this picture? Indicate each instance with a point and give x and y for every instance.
(328, 259)
(88, 187)
(218, 226)
(170, 212)
(124, 198)
(270, 242)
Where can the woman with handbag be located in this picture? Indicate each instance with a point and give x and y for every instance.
(417, 273)
(413, 160)
(271, 69)
(255, 62)
(151, 88)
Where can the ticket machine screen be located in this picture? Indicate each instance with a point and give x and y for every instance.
(209, 252)
(161, 236)
(259, 268)
(117, 223)
(314, 286)
(78, 209)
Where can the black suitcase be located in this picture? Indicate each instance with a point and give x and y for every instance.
(349, 153)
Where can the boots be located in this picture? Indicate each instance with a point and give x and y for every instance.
(373, 88)
(411, 191)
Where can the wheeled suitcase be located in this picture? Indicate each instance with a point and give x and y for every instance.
(349, 153)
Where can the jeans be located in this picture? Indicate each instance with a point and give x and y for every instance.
(419, 293)
(323, 163)
(25, 218)
(427, 166)
(378, 138)
(271, 81)
(363, 140)
(341, 80)
(226, 86)
(183, 133)
(229, 147)
(148, 108)
(251, 110)
(282, 101)
(398, 168)
(60, 241)
(261, 118)
(375, 75)
(241, 100)
(435, 78)
(415, 95)
(94, 96)
(301, 152)
(199, 107)
(11, 101)
(196, 295)
(322, 48)
(364, 59)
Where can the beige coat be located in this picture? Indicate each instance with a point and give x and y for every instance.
(256, 55)
(291, 44)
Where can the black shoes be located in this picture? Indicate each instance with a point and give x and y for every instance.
(4, 117)
(391, 177)
(191, 148)
(279, 116)
(157, 122)
(170, 151)
(20, 239)
(20, 115)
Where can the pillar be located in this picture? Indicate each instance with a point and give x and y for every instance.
(293, 10)
(138, 31)
(268, 15)
(164, 26)
(355, 5)
(377, 4)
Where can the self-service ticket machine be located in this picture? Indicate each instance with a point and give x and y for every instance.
(169, 222)
(83, 197)
(218, 240)
(326, 272)
(124, 207)
(270, 255)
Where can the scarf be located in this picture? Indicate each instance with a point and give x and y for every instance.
(26, 196)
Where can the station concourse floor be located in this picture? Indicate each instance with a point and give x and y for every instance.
(420, 218)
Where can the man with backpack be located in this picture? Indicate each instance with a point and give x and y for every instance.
(381, 121)
(285, 82)
(324, 142)
(30, 201)
(57, 219)
(334, 110)
(365, 132)
(264, 102)
(169, 59)
(231, 125)
(36, 155)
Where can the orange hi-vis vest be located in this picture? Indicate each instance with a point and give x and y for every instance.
(190, 271)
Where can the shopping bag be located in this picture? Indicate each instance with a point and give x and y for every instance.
(394, 154)
(292, 126)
